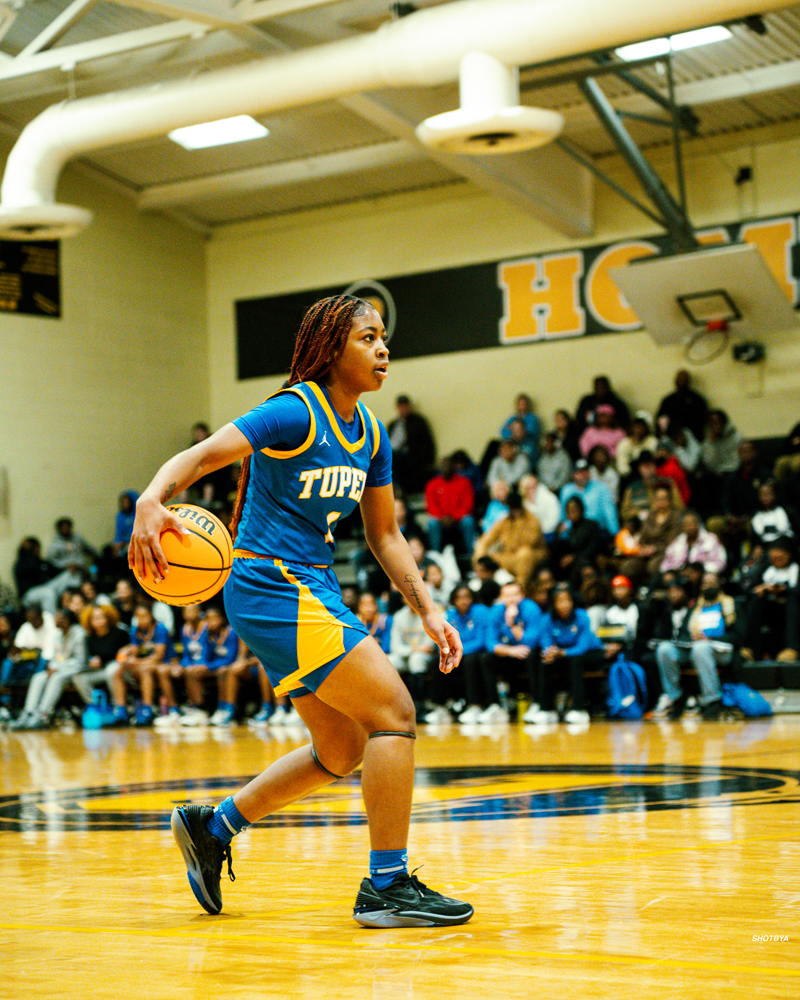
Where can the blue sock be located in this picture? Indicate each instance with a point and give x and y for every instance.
(226, 822)
(384, 865)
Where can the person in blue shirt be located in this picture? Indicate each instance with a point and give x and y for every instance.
(219, 648)
(512, 629)
(470, 619)
(310, 454)
(528, 436)
(377, 621)
(597, 500)
(567, 643)
(191, 648)
(149, 647)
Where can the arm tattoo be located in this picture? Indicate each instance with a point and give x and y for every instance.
(413, 590)
(169, 492)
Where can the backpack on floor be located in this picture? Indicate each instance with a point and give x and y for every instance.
(749, 702)
(627, 690)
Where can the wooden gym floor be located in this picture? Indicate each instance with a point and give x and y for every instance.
(623, 860)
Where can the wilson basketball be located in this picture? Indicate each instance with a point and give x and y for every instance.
(199, 563)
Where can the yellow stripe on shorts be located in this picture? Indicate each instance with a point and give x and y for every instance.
(319, 635)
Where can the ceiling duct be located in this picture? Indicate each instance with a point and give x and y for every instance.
(490, 119)
(421, 50)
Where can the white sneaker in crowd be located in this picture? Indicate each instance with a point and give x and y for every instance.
(223, 718)
(470, 715)
(278, 717)
(577, 716)
(193, 716)
(662, 707)
(541, 718)
(494, 713)
(169, 721)
(437, 716)
(293, 718)
(532, 711)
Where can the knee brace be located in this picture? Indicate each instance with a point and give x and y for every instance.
(322, 767)
(409, 736)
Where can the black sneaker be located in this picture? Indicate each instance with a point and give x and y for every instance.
(677, 708)
(203, 854)
(407, 903)
(712, 711)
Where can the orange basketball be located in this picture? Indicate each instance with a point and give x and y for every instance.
(199, 563)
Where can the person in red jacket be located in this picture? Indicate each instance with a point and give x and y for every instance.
(668, 467)
(450, 501)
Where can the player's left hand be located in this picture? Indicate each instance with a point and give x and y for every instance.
(446, 638)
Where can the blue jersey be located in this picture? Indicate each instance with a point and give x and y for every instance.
(299, 487)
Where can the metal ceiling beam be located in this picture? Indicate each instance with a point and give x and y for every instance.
(58, 27)
(273, 175)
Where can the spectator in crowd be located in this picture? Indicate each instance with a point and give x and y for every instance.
(661, 526)
(772, 621)
(603, 430)
(597, 501)
(719, 454)
(464, 465)
(770, 520)
(555, 465)
(378, 623)
(544, 505)
(668, 467)
(739, 500)
(220, 650)
(567, 434)
(516, 543)
(580, 540)
(104, 640)
(638, 497)
(351, 593)
(602, 395)
(450, 502)
(123, 524)
(33, 647)
(192, 650)
(31, 569)
(601, 470)
(509, 464)
(498, 505)
(46, 686)
(470, 620)
(529, 440)
(630, 448)
(567, 642)
(487, 580)
(124, 600)
(410, 649)
(684, 407)
(6, 636)
(701, 636)
(244, 667)
(247, 659)
(446, 561)
(694, 545)
(512, 629)
(69, 550)
(627, 541)
(434, 581)
(413, 449)
(788, 464)
(617, 624)
(211, 490)
(685, 448)
(148, 647)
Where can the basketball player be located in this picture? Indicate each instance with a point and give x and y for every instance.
(310, 453)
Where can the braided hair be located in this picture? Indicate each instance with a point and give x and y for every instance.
(320, 341)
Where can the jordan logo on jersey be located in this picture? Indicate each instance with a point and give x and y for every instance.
(325, 439)
(334, 481)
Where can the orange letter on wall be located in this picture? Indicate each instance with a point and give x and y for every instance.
(607, 303)
(775, 240)
(541, 297)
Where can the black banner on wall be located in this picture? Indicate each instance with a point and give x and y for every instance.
(539, 298)
(29, 278)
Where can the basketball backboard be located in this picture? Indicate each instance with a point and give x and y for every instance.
(676, 297)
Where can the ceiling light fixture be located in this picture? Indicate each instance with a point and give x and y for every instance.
(675, 43)
(219, 133)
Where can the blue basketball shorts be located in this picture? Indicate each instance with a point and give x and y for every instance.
(292, 618)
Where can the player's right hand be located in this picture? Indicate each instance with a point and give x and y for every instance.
(145, 555)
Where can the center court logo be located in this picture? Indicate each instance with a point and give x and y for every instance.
(441, 794)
